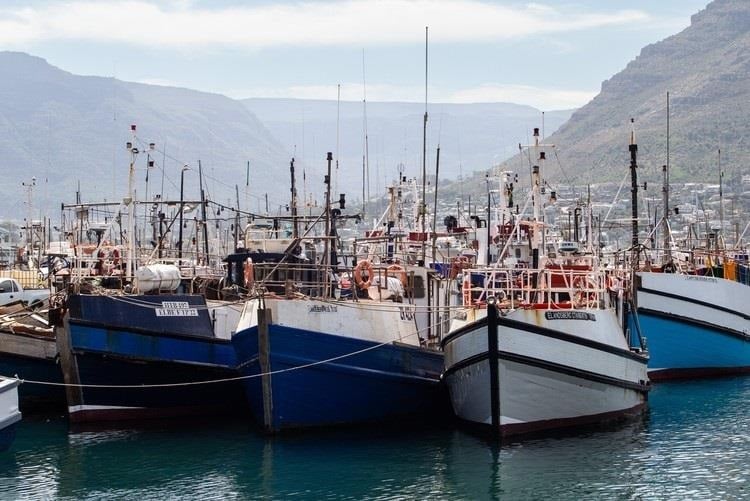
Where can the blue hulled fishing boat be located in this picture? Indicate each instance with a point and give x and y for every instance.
(313, 362)
(696, 325)
(139, 356)
(330, 337)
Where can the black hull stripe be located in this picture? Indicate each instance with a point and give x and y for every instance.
(543, 331)
(550, 366)
(141, 360)
(696, 373)
(694, 301)
(147, 332)
(698, 323)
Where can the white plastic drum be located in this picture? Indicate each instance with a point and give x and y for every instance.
(158, 277)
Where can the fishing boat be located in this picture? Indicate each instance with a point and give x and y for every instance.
(9, 413)
(545, 346)
(335, 338)
(139, 356)
(27, 342)
(145, 332)
(317, 361)
(695, 325)
(693, 308)
(28, 351)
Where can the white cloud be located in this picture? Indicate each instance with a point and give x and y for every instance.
(361, 22)
(538, 97)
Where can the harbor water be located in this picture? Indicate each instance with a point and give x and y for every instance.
(694, 443)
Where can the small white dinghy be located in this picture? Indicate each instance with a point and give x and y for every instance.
(9, 413)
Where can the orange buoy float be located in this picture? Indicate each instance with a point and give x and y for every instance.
(364, 267)
(249, 273)
(466, 289)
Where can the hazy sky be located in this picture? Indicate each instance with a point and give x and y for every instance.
(551, 54)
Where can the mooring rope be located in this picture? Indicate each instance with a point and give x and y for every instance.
(214, 381)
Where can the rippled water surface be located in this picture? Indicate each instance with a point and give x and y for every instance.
(693, 444)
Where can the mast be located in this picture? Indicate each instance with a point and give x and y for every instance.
(338, 120)
(327, 253)
(365, 145)
(423, 205)
(537, 201)
(634, 190)
(131, 205)
(203, 211)
(295, 224)
(721, 199)
(182, 211)
(237, 219)
(665, 193)
(434, 212)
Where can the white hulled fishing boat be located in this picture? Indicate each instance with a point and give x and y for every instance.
(542, 347)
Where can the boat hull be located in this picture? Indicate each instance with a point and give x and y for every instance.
(548, 377)
(380, 382)
(694, 326)
(32, 358)
(149, 369)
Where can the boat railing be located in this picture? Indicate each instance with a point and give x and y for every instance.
(546, 288)
(309, 279)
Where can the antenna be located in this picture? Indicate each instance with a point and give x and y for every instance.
(423, 205)
(338, 120)
(721, 197)
(665, 191)
(365, 145)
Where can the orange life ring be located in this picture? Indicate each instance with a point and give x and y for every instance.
(459, 264)
(115, 256)
(249, 273)
(363, 266)
(397, 269)
(87, 249)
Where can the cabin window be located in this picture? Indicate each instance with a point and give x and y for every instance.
(518, 253)
(418, 287)
(6, 286)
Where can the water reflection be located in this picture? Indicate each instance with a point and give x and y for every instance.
(694, 443)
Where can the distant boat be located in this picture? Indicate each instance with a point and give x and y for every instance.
(9, 413)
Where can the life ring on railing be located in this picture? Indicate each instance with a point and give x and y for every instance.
(114, 255)
(466, 290)
(397, 269)
(248, 272)
(363, 267)
(458, 264)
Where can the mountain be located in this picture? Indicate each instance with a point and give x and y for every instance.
(706, 70)
(64, 129)
(471, 136)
